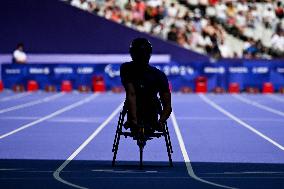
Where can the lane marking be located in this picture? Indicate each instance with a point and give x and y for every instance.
(201, 118)
(261, 106)
(56, 173)
(7, 169)
(186, 157)
(228, 114)
(32, 103)
(56, 113)
(275, 98)
(16, 96)
(61, 119)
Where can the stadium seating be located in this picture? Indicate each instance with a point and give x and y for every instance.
(217, 28)
(1, 86)
(201, 84)
(186, 89)
(117, 89)
(66, 86)
(184, 64)
(84, 88)
(218, 90)
(18, 88)
(252, 90)
(99, 84)
(281, 90)
(49, 88)
(267, 87)
(32, 86)
(234, 88)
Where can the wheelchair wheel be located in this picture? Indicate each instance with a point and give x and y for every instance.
(141, 136)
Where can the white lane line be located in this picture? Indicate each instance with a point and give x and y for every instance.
(275, 98)
(186, 157)
(8, 169)
(56, 173)
(101, 118)
(61, 119)
(16, 96)
(201, 118)
(56, 113)
(217, 107)
(28, 104)
(245, 100)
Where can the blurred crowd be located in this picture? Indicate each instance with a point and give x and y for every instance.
(202, 25)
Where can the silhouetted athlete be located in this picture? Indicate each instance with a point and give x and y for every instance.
(142, 83)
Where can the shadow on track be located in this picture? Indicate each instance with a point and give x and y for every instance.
(100, 174)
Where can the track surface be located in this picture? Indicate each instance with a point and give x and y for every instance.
(231, 141)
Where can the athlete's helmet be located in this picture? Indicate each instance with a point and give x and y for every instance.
(140, 46)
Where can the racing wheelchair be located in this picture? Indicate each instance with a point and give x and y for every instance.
(140, 136)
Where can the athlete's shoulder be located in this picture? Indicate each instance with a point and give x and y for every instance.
(157, 71)
(126, 65)
(154, 69)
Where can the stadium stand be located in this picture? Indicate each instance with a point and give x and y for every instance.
(213, 27)
(64, 42)
(72, 35)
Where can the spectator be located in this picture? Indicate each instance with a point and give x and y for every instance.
(241, 21)
(81, 4)
(19, 56)
(277, 40)
(279, 10)
(205, 42)
(231, 10)
(197, 22)
(269, 16)
(221, 11)
(202, 6)
(172, 10)
(172, 35)
(242, 6)
(250, 49)
(225, 50)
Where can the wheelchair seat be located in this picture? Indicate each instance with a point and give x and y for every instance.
(140, 136)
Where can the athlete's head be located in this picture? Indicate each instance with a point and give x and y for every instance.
(140, 50)
(20, 46)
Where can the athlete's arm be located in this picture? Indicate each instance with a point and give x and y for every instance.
(131, 102)
(165, 97)
(167, 107)
(126, 79)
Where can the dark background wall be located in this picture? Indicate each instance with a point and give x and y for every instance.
(51, 26)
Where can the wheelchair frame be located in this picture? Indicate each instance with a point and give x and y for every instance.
(141, 139)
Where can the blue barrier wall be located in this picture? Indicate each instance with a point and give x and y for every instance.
(247, 74)
(51, 26)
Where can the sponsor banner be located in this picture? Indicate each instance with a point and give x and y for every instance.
(217, 74)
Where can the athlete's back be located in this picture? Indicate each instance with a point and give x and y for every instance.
(142, 83)
(148, 82)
